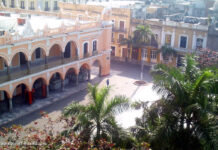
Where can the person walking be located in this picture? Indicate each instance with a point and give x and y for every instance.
(107, 81)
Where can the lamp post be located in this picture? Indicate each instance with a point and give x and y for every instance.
(142, 63)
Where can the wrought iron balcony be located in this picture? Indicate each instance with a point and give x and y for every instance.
(115, 29)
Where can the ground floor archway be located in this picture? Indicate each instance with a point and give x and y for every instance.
(4, 102)
(96, 69)
(70, 78)
(55, 83)
(20, 96)
(39, 89)
(84, 73)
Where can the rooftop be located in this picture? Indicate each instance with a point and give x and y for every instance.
(19, 27)
(21, 22)
(116, 4)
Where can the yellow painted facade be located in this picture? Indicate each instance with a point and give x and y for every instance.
(183, 37)
(121, 18)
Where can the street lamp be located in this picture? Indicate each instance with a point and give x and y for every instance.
(142, 63)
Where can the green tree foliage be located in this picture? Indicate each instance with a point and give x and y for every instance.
(167, 52)
(96, 120)
(130, 43)
(186, 116)
(142, 35)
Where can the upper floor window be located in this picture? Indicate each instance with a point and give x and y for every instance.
(94, 45)
(168, 39)
(156, 37)
(121, 37)
(4, 2)
(55, 5)
(113, 23)
(121, 25)
(183, 42)
(199, 43)
(12, 3)
(146, 53)
(46, 5)
(22, 4)
(38, 53)
(85, 48)
(32, 5)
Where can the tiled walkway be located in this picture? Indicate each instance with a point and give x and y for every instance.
(53, 97)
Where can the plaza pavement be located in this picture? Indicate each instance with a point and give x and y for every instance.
(121, 79)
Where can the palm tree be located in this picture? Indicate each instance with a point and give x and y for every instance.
(97, 118)
(142, 36)
(167, 52)
(186, 116)
(129, 42)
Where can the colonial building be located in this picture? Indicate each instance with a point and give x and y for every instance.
(150, 53)
(42, 52)
(121, 18)
(212, 42)
(44, 5)
(183, 37)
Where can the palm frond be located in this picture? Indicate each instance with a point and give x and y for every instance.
(73, 109)
(117, 104)
(198, 83)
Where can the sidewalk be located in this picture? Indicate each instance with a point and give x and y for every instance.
(53, 97)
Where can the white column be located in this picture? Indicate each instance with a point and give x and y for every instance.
(16, 3)
(35, 4)
(173, 38)
(194, 41)
(51, 5)
(27, 4)
(7, 3)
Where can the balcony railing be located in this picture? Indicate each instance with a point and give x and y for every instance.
(37, 66)
(94, 53)
(114, 29)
